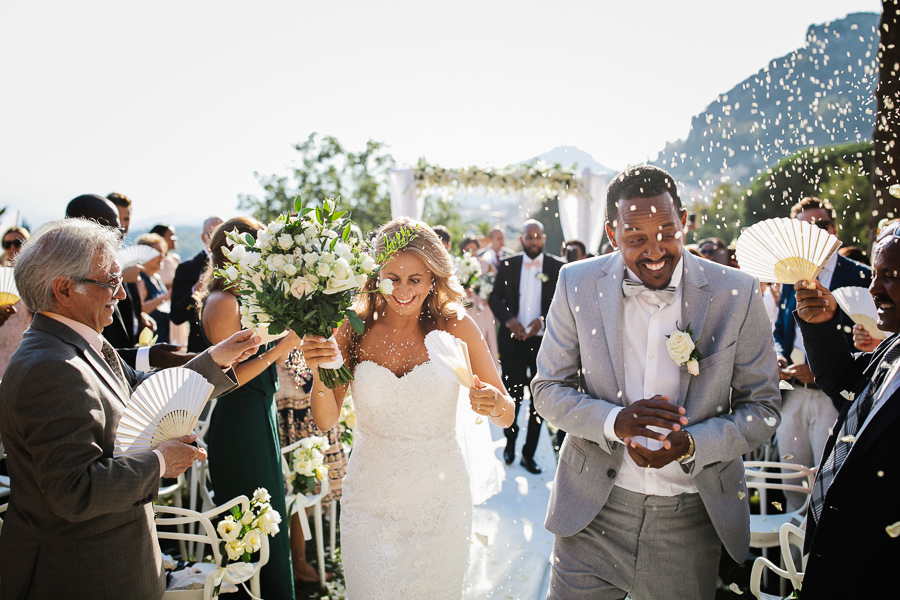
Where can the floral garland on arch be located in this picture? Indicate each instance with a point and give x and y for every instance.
(540, 178)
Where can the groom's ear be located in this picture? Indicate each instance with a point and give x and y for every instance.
(611, 234)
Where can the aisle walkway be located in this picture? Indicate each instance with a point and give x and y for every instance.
(510, 553)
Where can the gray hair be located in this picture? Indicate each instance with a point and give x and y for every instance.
(70, 248)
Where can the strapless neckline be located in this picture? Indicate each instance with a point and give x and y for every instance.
(384, 368)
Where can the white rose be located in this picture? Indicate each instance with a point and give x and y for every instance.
(228, 529)
(275, 227)
(313, 280)
(680, 345)
(327, 257)
(257, 280)
(299, 239)
(289, 270)
(247, 518)
(268, 522)
(235, 549)
(247, 322)
(310, 258)
(361, 279)
(301, 286)
(341, 269)
(250, 260)
(323, 270)
(386, 286)
(275, 262)
(368, 264)
(262, 495)
(337, 285)
(234, 254)
(252, 541)
(264, 239)
(285, 241)
(343, 250)
(232, 273)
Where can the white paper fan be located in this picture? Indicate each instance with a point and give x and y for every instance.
(165, 406)
(857, 302)
(8, 292)
(451, 355)
(262, 330)
(784, 250)
(135, 255)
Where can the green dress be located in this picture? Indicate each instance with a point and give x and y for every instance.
(244, 454)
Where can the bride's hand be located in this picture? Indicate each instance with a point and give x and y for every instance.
(485, 398)
(317, 350)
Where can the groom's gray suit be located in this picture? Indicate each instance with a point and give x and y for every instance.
(732, 405)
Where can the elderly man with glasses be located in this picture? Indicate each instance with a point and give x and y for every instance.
(807, 413)
(79, 523)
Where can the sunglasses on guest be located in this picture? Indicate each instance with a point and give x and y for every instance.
(823, 223)
(7, 244)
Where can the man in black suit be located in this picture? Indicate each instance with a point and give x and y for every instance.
(184, 286)
(806, 412)
(520, 300)
(854, 516)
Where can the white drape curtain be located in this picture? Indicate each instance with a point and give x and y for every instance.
(583, 214)
(404, 203)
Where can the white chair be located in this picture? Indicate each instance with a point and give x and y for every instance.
(770, 475)
(299, 504)
(789, 537)
(168, 516)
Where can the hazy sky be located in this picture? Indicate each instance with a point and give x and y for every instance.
(176, 104)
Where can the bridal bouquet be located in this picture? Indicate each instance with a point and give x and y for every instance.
(301, 273)
(467, 269)
(347, 422)
(485, 285)
(242, 532)
(307, 466)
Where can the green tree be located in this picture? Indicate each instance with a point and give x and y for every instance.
(328, 170)
(722, 216)
(849, 190)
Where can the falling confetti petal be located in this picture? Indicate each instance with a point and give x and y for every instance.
(893, 530)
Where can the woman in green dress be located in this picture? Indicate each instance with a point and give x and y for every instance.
(244, 452)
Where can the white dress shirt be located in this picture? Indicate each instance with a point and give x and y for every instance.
(530, 290)
(649, 371)
(95, 340)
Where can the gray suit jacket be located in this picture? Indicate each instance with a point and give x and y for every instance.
(733, 404)
(79, 523)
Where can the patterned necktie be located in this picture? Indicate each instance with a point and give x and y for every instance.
(112, 360)
(633, 288)
(856, 416)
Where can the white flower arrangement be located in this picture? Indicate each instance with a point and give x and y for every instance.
(242, 533)
(307, 466)
(682, 350)
(467, 269)
(347, 422)
(301, 273)
(485, 285)
(540, 177)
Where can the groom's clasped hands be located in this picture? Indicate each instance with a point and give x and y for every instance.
(635, 420)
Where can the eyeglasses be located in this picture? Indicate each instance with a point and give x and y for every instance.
(114, 283)
(823, 223)
(707, 251)
(7, 244)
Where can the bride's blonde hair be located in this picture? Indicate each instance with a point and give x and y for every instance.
(445, 300)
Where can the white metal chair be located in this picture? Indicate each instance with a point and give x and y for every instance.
(789, 537)
(168, 516)
(770, 475)
(299, 504)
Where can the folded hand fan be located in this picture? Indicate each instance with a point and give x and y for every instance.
(165, 406)
(857, 302)
(8, 292)
(451, 355)
(784, 250)
(135, 255)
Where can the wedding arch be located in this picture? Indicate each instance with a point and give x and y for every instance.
(582, 200)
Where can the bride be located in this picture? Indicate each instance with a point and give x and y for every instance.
(406, 507)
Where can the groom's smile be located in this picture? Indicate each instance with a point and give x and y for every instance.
(648, 233)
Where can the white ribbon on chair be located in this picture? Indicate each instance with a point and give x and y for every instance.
(236, 573)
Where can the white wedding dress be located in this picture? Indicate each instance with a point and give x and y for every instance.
(406, 510)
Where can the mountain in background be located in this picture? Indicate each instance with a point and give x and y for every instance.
(821, 94)
(567, 156)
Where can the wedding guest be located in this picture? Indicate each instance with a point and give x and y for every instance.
(715, 249)
(123, 205)
(807, 413)
(444, 233)
(854, 253)
(244, 451)
(186, 287)
(574, 250)
(14, 318)
(151, 290)
(479, 309)
(650, 482)
(406, 505)
(123, 332)
(469, 245)
(172, 259)
(295, 422)
(80, 522)
(520, 300)
(131, 305)
(496, 251)
(852, 523)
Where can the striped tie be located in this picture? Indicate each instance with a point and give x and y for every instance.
(847, 436)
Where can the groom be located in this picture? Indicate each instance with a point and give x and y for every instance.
(650, 482)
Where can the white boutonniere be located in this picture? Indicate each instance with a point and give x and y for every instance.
(542, 277)
(682, 350)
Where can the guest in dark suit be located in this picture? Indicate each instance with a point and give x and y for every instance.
(184, 288)
(520, 300)
(806, 412)
(79, 523)
(852, 525)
